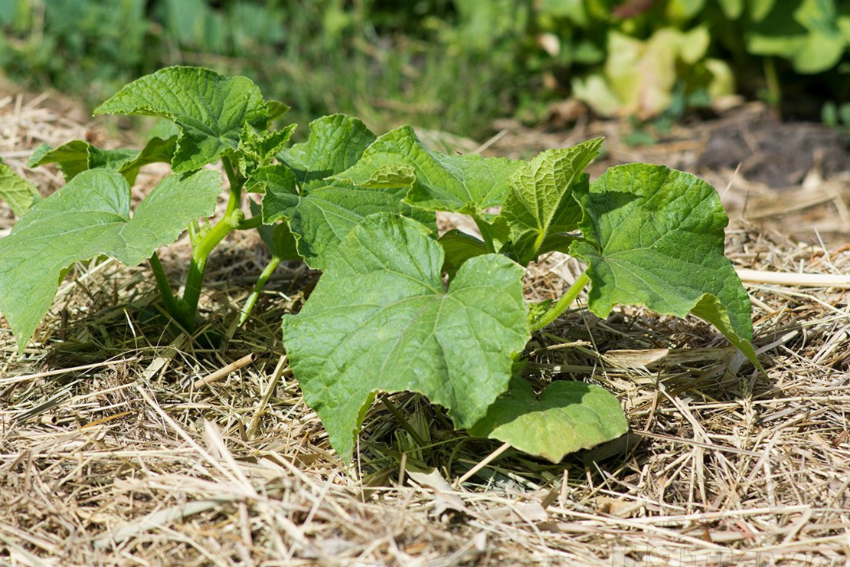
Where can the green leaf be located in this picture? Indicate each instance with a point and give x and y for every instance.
(540, 203)
(276, 109)
(209, 109)
(654, 237)
(463, 184)
(567, 417)
(259, 149)
(320, 217)
(459, 247)
(90, 217)
(732, 9)
(79, 155)
(380, 320)
(17, 191)
(336, 143)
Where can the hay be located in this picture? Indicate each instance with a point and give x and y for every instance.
(123, 442)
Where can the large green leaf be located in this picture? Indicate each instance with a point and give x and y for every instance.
(336, 143)
(90, 217)
(17, 191)
(463, 184)
(540, 202)
(654, 237)
(321, 216)
(567, 417)
(380, 320)
(209, 109)
(79, 155)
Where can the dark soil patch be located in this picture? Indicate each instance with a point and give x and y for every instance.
(775, 153)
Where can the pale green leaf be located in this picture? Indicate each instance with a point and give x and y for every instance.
(567, 417)
(209, 109)
(759, 9)
(540, 202)
(336, 143)
(380, 320)
(322, 215)
(654, 237)
(732, 9)
(17, 191)
(87, 218)
(463, 184)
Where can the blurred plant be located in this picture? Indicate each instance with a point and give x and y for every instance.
(449, 64)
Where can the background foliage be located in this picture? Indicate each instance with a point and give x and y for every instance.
(452, 64)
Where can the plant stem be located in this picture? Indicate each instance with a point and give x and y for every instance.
(558, 308)
(205, 244)
(172, 305)
(258, 288)
(252, 222)
(774, 89)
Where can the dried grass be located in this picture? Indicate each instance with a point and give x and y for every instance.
(117, 448)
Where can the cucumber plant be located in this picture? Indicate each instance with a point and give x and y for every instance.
(398, 307)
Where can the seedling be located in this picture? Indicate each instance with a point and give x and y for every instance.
(398, 306)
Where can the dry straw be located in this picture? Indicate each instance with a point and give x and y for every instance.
(124, 443)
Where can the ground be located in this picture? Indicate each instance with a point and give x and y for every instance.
(123, 442)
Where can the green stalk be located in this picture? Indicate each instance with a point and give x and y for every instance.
(253, 222)
(233, 216)
(173, 306)
(774, 89)
(258, 288)
(562, 304)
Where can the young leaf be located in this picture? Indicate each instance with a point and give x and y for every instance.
(568, 417)
(209, 110)
(79, 155)
(320, 217)
(260, 148)
(464, 184)
(380, 321)
(17, 191)
(90, 217)
(540, 203)
(336, 143)
(654, 237)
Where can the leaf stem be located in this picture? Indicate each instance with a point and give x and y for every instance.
(173, 306)
(562, 304)
(258, 288)
(168, 299)
(252, 222)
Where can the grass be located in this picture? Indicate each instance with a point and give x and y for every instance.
(123, 442)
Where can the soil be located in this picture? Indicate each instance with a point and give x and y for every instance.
(772, 152)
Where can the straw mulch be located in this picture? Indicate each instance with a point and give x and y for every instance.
(123, 442)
